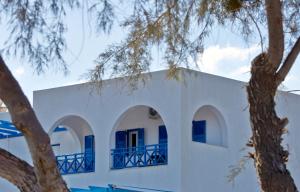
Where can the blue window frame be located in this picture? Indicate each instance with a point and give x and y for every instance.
(199, 131)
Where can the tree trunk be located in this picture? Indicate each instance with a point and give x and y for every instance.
(18, 172)
(270, 157)
(38, 141)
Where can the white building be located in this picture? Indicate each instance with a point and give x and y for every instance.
(168, 135)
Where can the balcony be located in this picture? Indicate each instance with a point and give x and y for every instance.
(76, 163)
(148, 155)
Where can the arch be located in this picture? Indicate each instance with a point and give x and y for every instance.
(134, 117)
(69, 134)
(139, 128)
(216, 129)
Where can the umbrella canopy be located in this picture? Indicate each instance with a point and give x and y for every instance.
(7, 130)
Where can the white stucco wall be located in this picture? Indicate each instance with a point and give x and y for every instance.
(192, 166)
(288, 105)
(4, 116)
(68, 142)
(102, 112)
(210, 164)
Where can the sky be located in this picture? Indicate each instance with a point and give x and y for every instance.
(226, 54)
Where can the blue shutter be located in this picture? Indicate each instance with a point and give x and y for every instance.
(162, 134)
(141, 137)
(89, 143)
(163, 141)
(89, 152)
(119, 152)
(121, 139)
(199, 131)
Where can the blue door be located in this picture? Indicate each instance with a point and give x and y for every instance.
(89, 152)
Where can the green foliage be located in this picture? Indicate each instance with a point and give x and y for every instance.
(179, 28)
(37, 28)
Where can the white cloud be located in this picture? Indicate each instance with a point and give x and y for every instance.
(241, 70)
(219, 60)
(74, 82)
(19, 71)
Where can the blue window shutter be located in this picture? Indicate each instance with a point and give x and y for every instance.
(141, 137)
(119, 155)
(162, 134)
(121, 139)
(127, 138)
(163, 140)
(89, 143)
(89, 149)
(199, 131)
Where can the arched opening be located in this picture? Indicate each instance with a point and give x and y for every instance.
(209, 126)
(73, 143)
(138, 139)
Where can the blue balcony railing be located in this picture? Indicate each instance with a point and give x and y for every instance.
(148, 155)
(76, 163)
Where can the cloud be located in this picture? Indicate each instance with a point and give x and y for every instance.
(241, 70)
(229, 60)
(74, 82)
(19, 71)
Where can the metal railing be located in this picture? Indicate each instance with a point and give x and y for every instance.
(148, 155)
(76, 163)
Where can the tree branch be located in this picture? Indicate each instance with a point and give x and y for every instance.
(275, 34)
(18, 172)
(38, 141)
(288, 62)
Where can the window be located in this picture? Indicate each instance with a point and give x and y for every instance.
(133, 139)
(130, 138)
(199, 131)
